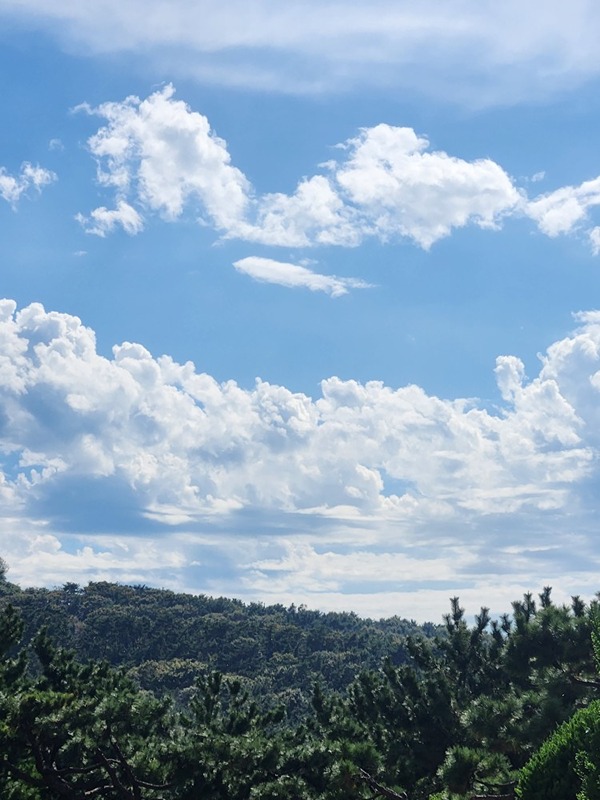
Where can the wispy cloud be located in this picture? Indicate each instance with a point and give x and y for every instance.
(566, 208)
(296, 276)
(469, 51)
(31, 176)
(103, 221)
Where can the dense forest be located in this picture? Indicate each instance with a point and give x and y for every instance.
(166, 639)
(131, 693)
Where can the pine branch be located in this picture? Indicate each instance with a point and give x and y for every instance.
(379, 789)
(585, 682)
(77, 770)
(114, 777)
(510, 796)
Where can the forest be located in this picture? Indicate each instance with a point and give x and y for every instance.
(133, 693)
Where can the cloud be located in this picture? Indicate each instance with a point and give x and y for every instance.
(263, 486)
(160, 156)
(470, 52)
(294, 276)
(402, 189)
(164, 155)
(564, 209)
(315, 214)
(102, 220)
(180, 439)
(30, 176)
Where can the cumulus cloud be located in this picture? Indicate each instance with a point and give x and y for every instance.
(30, 176)
(160, 156)
(181, 439)
(401, 188)
(316, 214)
(164, 155)
(470, 51)
(294, 276)
(275, 483)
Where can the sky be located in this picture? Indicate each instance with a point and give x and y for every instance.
(302, 300)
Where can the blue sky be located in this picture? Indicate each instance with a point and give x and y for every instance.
(301, 301)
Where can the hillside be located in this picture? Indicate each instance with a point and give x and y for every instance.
(166, 639)
(133, 693)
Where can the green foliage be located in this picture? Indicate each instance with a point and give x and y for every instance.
(77, 731)
(512, 683)
(274, 703)
(11, 629)
(567, 765)
(595, 635)
(276, 648)
(554, 772)
(466, 770)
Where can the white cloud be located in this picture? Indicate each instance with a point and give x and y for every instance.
(469, 51)
(103, 220)
(160, 156)
(165, 155)
(31, 176)
(294, 276)
(402, 189)
(315, 214)
(329, 571)
(168, 431)
(277, 485)
(39, 558)
(564, 209)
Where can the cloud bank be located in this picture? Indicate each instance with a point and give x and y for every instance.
(248, 491)
(470, 51)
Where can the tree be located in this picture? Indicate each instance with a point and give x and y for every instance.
(556, 770)
(236, 751)
(80, 731)
(567, 765)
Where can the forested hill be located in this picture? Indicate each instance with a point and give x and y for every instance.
(166, 639)
(502, 709)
